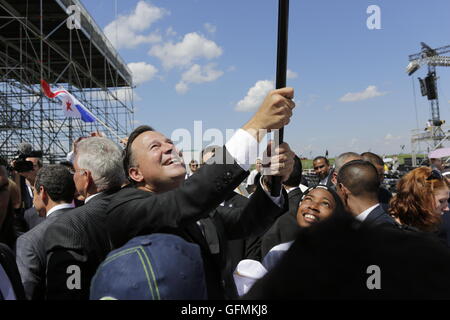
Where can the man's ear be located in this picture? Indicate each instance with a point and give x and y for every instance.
(136, 174)
(43, 194)
(344, 190)
(89, 179)
(334, 177)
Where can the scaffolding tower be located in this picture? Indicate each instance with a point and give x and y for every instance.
(39, 40)
(434, 135)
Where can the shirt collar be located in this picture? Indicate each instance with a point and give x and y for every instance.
(59, 207)
(291, 189)
(324, 181)
(363, 215)
(91, 196)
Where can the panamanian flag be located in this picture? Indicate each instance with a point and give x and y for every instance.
(72, 108)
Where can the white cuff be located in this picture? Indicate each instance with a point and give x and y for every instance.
(243, 147)
(279, 201)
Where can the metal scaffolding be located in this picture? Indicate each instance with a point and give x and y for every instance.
(37, 43)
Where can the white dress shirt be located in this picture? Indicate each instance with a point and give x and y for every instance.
(363, 215)
(91, 196)
(243, 147)
(60, 206)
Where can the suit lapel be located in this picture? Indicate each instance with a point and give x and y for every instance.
(294, 193)
(196, 235)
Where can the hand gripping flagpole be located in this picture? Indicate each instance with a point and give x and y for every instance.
(282, 48)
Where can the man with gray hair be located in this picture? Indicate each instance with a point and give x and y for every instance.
(80, 235)
(342, 159)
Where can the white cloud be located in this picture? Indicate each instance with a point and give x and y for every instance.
(233, 68)
(389, 138)
(368, 93)
(210, 27)
(123, 94)
(192, 47)
(170, 32)
(181, 87)
(255, 96)
(142, 72)
(198, 74)
(291, 74)
(127, 30)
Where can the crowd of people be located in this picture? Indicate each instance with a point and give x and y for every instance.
(131, 223)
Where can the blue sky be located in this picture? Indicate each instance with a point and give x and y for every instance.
(200, 59)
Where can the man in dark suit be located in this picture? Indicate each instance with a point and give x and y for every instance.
(244, 248)
(32, 218)
(238, 249)
(384, 195)
(323, 170)
(26, 180)
(136, 211)
(77, 242)
(285, 229)
(53, 195)
(248, 247)
(217, 225)
(358, 185)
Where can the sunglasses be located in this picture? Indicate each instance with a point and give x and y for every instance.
(435, 175)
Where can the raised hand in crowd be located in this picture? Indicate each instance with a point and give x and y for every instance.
(274, 113)
(281, 163)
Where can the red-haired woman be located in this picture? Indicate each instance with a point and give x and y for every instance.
(422, 196)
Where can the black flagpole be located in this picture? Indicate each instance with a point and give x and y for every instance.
(282, 48)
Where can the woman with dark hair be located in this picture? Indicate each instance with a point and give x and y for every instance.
(422, 196)
(318, 203)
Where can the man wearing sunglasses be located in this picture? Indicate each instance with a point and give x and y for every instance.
(193, 166)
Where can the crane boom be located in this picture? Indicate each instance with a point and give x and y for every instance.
(438, 51)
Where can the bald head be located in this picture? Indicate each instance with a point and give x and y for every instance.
(360, 178)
